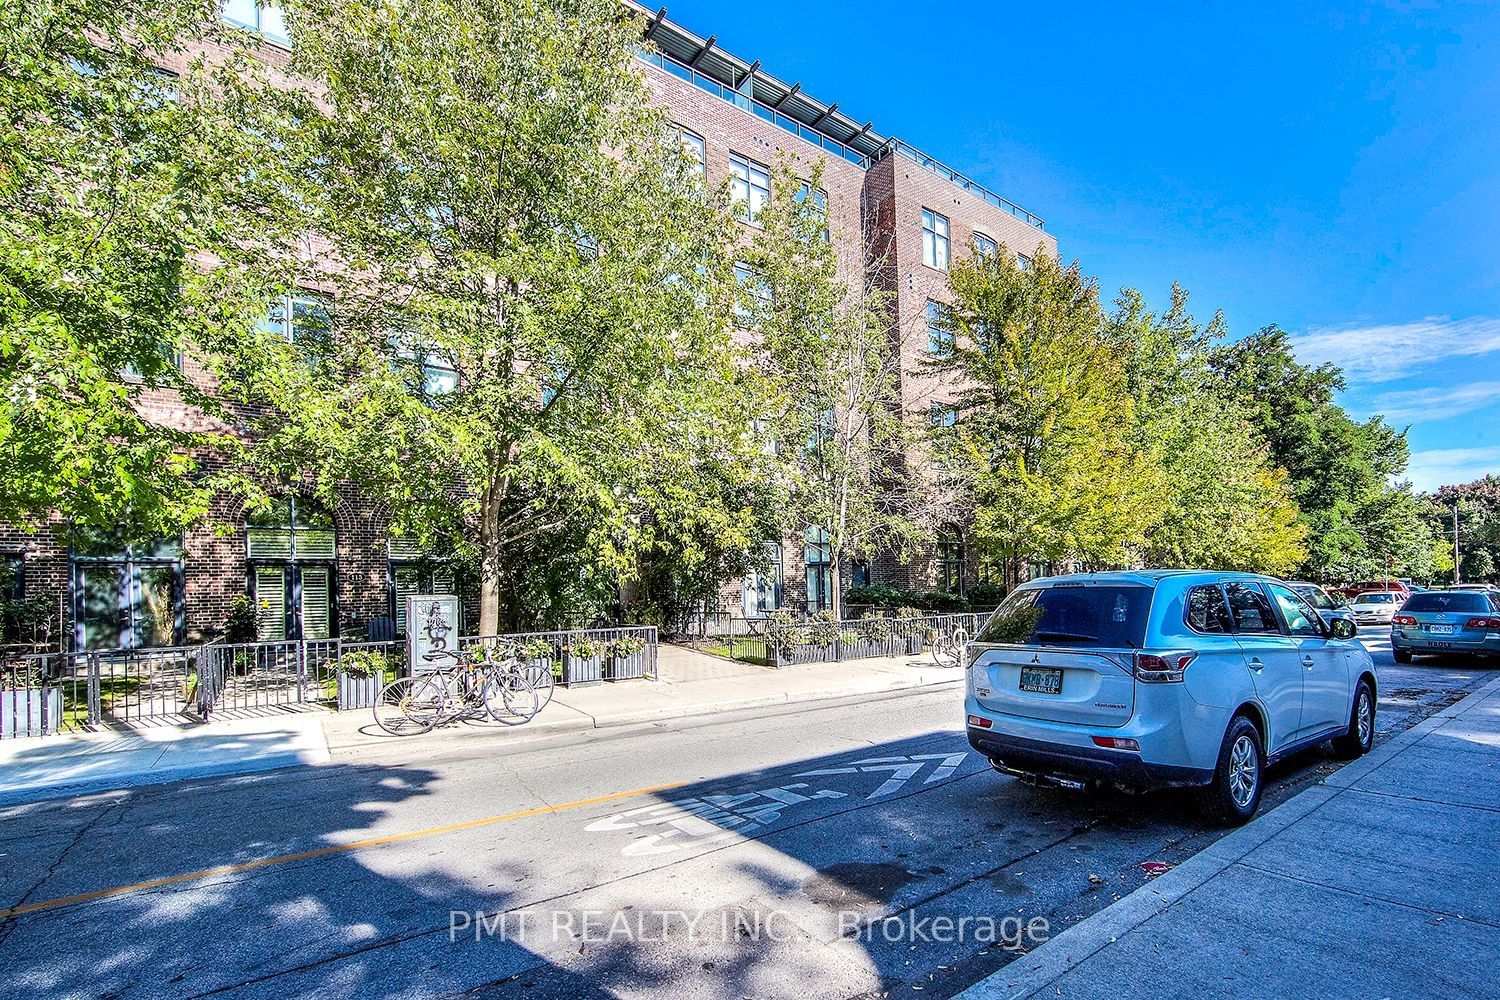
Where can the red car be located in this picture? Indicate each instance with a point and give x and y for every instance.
(1353, 590)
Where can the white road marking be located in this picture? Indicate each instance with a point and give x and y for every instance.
(902, 769)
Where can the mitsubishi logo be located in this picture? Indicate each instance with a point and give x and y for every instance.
(1036, 658)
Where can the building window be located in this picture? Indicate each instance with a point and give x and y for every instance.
(413, 572)
(859, 573)
(763, 586)
(823, 432)
(169, 355)
(1023, 262)
(127, 596)
(984, 245)
(696, 150)
(299, 318)
(754, 300)
(944, 415)
(438, 376)
(291, 550)
(258, 16)
(939, 330)
(815, 200)
(12, 593)
(934, 240)
(749, 187)
(950, 560)
(817, 556)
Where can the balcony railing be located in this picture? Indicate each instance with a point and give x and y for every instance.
(747, 103)
(953, 176)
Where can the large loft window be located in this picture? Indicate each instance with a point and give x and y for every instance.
(749, 187)
(754, 300)
(763, 586)
(695, 148)
(984, 246)
(291, 548)
(300, 318)
(815, 201)
(939, 330)
(950, 560)
(127, 595)
(266, 19)
(817, 557)
(935, 246)
(434, 368)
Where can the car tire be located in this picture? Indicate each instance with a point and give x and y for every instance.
(1361, 735)
(1401, 655)
(1227, 801)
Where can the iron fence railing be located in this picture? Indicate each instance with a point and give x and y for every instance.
(585, 656)
(785, 641)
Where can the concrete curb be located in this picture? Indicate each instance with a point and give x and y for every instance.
(1027, 975)
(584, 721)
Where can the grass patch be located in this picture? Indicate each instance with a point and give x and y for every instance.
(745, 650)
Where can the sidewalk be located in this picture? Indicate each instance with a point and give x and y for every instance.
(691, 685)
(1379, 882)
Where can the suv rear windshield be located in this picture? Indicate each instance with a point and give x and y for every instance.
(1110, 617)
(1448, 602)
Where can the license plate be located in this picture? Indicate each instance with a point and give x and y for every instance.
(1440, 629)
(1041, 680)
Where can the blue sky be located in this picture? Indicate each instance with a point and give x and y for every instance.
(1332, 168)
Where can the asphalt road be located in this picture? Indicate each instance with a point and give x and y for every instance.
(743, 856)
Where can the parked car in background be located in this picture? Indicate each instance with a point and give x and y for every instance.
(1325, 603)
(1353, 590)
(1447, 621)
(1164, 677)
(1376, 607)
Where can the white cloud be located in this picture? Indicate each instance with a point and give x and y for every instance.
(1436, 402)
(1430, 469)
(1384, 353)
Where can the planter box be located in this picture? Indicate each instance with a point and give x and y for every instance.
(358, 690)
(579, 671)
(30, 712)
(625, 668)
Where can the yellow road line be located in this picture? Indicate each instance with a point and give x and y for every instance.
(395, 838)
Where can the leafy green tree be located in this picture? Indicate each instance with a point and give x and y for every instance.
(828, 372)
(1478, 506)
(526, 353)
(122, 188)
(1045, 418)
(1222, 503)
(1342, 470)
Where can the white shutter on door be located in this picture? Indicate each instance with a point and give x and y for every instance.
(317, 604)
(406, 586)
(270, 596)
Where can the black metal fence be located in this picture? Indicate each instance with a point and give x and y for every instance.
(783, 641)
(44, 693)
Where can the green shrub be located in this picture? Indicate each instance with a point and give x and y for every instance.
(987, 595)
(365, 663)
(243, 621)
(823, 630)
(627, 646)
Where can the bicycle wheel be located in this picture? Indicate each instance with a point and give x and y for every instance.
(509, 697)
(541, 678)
(409, 706)
(942, 651)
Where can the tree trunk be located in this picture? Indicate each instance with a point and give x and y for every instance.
(835, 583)
(489, 560)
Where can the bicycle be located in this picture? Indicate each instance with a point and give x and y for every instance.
(948, 647)
(471, 687)
(537, 670)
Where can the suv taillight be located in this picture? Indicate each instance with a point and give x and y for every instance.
(1163, 668)
(1484, 623)
(1403, 620)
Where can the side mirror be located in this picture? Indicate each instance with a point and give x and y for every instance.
(1342, 628)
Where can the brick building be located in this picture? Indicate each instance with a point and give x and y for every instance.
(322, 572)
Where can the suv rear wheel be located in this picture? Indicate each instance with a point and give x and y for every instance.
(1234, 794)
(1361, 735)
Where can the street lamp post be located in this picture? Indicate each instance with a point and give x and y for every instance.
(1455, 542)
